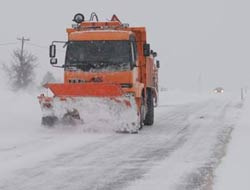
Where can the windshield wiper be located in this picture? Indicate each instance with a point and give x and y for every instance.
(83, 65)
(88, 65)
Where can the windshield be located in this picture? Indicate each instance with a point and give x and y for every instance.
(98, 56)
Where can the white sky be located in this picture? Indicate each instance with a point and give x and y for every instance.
(207, 38)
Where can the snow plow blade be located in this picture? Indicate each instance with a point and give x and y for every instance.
(88, 89)
(94, 106)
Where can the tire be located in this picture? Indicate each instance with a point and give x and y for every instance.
(149, 119)
(142, 113)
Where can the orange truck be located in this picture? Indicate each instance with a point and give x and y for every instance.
(104, 60)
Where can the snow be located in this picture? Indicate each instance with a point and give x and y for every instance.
(193, 165)
(234, 171)
(23, 141)
(99, 114)
(181, 151)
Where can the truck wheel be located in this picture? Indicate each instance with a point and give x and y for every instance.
(149, 119)
(142, 113)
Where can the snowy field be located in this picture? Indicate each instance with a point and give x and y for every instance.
(182, 150)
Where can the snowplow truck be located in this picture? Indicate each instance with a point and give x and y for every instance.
(109, 70)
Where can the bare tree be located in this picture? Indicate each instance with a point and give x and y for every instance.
(21, 69)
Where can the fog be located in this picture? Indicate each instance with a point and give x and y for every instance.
(199, 43)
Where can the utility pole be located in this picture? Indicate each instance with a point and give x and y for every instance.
(23, 40)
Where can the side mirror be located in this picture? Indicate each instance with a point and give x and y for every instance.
(53, 61)
(146, 50)
(52, 51)
(158, 64)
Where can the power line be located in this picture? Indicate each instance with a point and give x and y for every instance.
(36, 45)
(23, 40)
(7, 44)
(43, 47)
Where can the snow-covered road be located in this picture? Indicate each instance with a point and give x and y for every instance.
(181, 151)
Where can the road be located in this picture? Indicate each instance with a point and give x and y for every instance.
(184, 146)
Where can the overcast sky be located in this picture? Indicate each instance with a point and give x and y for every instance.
(197, 40)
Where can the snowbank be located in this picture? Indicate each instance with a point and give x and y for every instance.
(234, 171)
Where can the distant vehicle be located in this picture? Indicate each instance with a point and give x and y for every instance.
(218, 90)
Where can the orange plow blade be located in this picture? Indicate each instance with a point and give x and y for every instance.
(88, 89)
